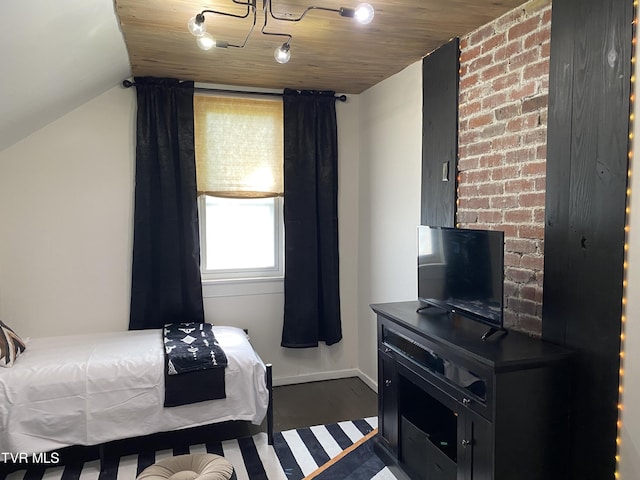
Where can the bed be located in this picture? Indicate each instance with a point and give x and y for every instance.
(93, 389)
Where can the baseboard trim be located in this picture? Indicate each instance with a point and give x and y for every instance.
(371, 383)
(320, 376)
(316, 377)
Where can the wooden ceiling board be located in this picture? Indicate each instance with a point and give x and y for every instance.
(328, 52)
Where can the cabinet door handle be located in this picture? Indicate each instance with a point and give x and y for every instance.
(387, 383)
(465, 443)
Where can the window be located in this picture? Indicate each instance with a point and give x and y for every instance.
(239, 155)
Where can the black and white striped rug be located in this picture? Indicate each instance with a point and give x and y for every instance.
(294, 455)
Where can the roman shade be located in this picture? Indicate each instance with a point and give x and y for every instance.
(239, 147)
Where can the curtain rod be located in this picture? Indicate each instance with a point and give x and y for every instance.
(129, 84)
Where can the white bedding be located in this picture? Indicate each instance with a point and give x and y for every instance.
(90, 389)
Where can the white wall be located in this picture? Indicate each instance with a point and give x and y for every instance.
(66, 207)
(390, 178)
(66, 197)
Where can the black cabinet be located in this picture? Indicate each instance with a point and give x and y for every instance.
(454, 407)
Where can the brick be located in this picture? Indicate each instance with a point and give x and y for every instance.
(505, 172)
(518, 216)
(503, 202)
(531, 292)
(475, 176)
(469, 80)
(470, 108)
(467, 216)
(468, 163)
(480, 120)
(539, 215)
(491, 160)
(518, 275)
(494, 130)
(479, 35)
(508, 111)
(520, 245)
(511, 260)
(490, 216)
(541, 150)
(508, 19)
(467, 190)
(503, 54)
(527, 57)
(525, 90)
(497, 99)
(519, 185)
(521, 29)
(521, 155)
(492, 42)
(468, 136)
(490, 189)
(474, 203)
(534, 168)
(538, 135)
(510, 288)
(537, 37)
(505, 81)
(534, 71)
(506, 142)
(534, 103)
(492, 72)
(479, 63)
(533, 262)
(522, 306)
(478, 148)
(531, 231)
(535, 199)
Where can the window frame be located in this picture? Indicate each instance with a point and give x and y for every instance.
(243, 274)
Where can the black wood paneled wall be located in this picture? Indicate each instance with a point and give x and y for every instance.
(587, 146)
(440, 78)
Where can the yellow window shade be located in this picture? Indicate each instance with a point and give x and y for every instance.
(239, 147)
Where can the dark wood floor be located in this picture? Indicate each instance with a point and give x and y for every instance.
(319, 403)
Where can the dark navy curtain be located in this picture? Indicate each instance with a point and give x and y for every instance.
(311, 285)
(165, 280)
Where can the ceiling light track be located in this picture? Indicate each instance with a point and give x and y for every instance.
(362, 14)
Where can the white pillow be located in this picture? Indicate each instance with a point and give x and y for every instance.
(11, 345)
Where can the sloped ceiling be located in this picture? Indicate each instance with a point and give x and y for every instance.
(55, 56)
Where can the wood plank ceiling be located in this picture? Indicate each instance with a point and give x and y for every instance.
(328, 52)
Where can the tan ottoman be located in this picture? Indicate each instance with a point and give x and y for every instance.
(197, 466)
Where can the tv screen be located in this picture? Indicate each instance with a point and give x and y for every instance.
(462, 271)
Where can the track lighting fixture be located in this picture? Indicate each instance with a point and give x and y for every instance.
(362, 14)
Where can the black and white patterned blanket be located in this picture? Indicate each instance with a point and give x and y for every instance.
(192, 346)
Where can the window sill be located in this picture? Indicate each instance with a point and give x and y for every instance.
(242, 287)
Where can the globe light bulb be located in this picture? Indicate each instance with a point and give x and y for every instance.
(196, 25)
(364, 13)
(206, 41)
(282, 53)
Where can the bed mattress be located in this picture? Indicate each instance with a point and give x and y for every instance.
(91, 389)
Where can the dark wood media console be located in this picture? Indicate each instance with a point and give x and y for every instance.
(454, 407)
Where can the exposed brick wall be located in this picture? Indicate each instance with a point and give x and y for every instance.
(504, 84)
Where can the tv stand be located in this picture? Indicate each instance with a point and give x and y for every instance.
(454, 407)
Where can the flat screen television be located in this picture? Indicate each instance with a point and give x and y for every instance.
(462, 271)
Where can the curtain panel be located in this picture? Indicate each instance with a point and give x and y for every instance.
(311, 285)
(165, 284)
